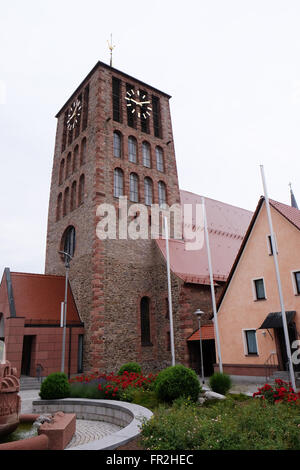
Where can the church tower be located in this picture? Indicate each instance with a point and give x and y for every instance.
(114, 138)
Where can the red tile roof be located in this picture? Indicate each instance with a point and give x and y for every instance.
(207, 332)
(38, 298)
(227, 225)
(290, 213)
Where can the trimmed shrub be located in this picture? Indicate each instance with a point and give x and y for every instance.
(177, 381)
(56, 385)
(220, 383)
(130, 367)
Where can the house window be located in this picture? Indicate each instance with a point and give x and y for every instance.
(148, 186)
(116, 87)
(159, 159)
(259, 289)
(145, 322)
(297, 281)
(117, 145)
(132, 149)
(251, 344)
(134, 187)
(162, 194)
(118, 182)
(146, 154)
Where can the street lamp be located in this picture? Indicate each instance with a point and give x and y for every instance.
(198, 314)
(68, 258)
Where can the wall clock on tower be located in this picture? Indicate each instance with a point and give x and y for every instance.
(74, 115)
(138, 103)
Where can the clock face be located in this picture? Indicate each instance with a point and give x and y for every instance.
(138, 103)
(73, 115)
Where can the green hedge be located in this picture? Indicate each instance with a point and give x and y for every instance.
(56, 385)
(130, 367)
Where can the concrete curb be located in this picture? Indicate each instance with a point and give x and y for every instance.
(121, 413)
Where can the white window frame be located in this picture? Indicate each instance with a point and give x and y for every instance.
(254, 289)
(294, 280)
(244, 336)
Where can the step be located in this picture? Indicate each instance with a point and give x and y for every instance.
(29, 383)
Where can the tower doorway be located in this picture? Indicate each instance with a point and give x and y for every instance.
(27, 354)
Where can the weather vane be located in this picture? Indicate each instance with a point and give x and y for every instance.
(111, 48)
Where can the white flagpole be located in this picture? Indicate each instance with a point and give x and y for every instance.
(274, 249)
(213, 297)
(169, 293)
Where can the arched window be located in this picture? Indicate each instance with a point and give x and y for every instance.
(145, 322)
(66, 201)
(69, 163)
(159, 159)
(75, 158)
(132, 149)
(81, 190)
(83, 151)
(148, 187)
(59, 207)
(162, 193)
(118, 182)
(1, 329)
(68, 241)
(61, 171)
(73, 196)
(134, 187)
(146, 154)
(117, 145)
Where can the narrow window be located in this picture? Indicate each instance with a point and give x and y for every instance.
(159, 159)
(83, 152)
(85, 113)
(118, 182)
(156, 116)
(80, 354)
(162, 194)
(75, 158)
(66, 201)
(168, 341)
(132, 149)
(145, 322)
(116, 87)
(69, 164)
(146, 154)
(142, 96)
(259, 289)
(59, 207)
(69, 241)
(65, 132)
(148, 186)
(297, 281)
(131, 110)
(134, 187)
(117, 145)
(251, 341)
(61, 171)
(73, 196)
(81, 190)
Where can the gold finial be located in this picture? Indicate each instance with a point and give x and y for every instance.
(111, 48)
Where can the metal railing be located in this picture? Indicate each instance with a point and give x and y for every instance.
(270, 365)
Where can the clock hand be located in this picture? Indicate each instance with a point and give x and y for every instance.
(144, 102)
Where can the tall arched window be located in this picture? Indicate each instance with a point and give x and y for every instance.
(117, 145)
(75, 158)
(81, 190)
(66, 201)
(145, 322)
(59, 207)
(134, 187)
(1, 328)
(68, 241)
(146, 154)
(83, 151)
(61, 171)
(69, 164)
(159, 159)
(118, 182)
(162, 193)
(132, 149)
(148, 187)
(73, 196)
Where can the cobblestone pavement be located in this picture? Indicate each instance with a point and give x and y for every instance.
(87, 431)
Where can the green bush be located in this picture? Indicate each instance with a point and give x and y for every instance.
(220, 383)
(130, 367)
(56, 385)
(225, 425)
(177, 381)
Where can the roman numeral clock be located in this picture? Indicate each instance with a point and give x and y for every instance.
(138, 103)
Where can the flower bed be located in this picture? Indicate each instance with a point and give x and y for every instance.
(281, 392)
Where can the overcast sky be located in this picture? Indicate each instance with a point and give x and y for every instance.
(232, 68)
